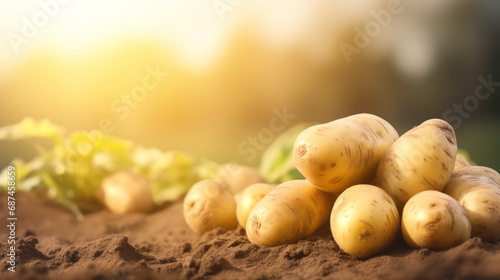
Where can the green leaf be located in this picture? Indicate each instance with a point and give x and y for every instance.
(29, 128)
(277, 164)
(61, 195)
(71, 171)
(174, 172)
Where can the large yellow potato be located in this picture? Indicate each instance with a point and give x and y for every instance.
(434, 220)
(477, 192)
(421, 159)
(344, 152)
(288, 213)
(247, 200)
(208, 205)
(364, 220)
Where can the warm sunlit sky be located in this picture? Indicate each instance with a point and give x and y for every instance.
(75, 26)
(231, 63)
(197, 28)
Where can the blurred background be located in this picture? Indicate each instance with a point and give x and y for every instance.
(205, 76)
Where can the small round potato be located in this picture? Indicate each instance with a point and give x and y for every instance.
(209, 205)
(125, 192)
(434, 220)
(237, 177)
(247, 200)
(364, 220)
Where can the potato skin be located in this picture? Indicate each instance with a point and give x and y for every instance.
(434, 220)
(477, 170)
(237, 177)
(247, 200)
(208, 205)
(460, 162)
(364, 220)
(344, 152)
(125, 192)
(290, 212)
(421, 159)
(479, 194)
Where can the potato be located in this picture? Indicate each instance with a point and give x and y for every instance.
(478, 171)
(209, 205)
(460, 162)
(344, 152)
(237, 177)
(421, 159)
(237, 197)
(479, 195)
(364, 220)
(247, 200)
(434, 220)
(125, 192)
(291, 211)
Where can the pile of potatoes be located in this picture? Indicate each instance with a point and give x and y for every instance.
(368, 182)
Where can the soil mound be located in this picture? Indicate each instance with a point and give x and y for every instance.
(52, 244)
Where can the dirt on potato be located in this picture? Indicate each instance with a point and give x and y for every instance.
(52, 244)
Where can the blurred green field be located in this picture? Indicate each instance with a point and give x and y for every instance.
(220, 82)
(481, 140)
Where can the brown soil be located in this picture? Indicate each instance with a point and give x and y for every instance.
(52, 244)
